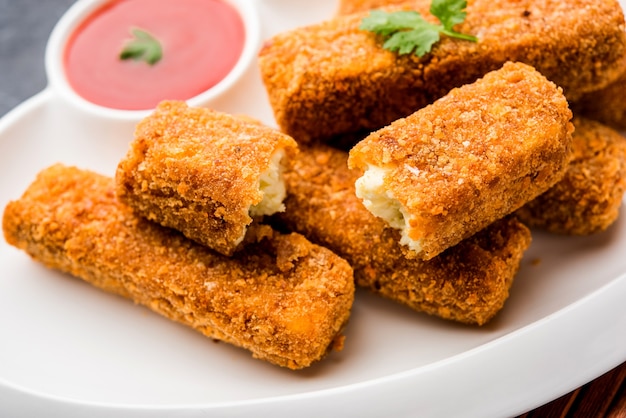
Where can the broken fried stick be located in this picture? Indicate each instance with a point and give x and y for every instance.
(588, 198)
(474, 156)
(468, 283)
(284, 299)
(205, 173)
(332, 78)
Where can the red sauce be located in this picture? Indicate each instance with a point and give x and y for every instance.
(201, 40)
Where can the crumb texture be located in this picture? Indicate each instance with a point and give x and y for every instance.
(474, 156)
(606, 105)
(332, 78)
(588, 198)
(201, 172)
(283, 298)
(468, 283)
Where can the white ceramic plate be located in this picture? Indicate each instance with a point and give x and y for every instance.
(69, 350)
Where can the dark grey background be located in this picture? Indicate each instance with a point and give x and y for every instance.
(25, 26)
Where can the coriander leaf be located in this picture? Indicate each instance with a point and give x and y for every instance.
(407, 31)
(385, 24)
(405, 41)
(449, 12)
(144, 46)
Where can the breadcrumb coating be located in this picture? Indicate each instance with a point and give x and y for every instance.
(473, 156)
(283, 298)
(347, 7)
(468, 283)
(332, 78)
(201, 172)
(588, 198)
(607, 105)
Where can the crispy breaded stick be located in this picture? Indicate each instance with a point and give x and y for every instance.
(588, 198)
(284, 299)
(607, 105)
(347, 7)
(204, 173)
(468, 283)
(332, 78)
(450, 169)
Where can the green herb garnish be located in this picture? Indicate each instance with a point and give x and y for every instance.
(406, 30)
(143, 46)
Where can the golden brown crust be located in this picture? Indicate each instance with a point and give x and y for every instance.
(607, 105)
(332, 78)
(347, 7)
(473, 156)
(284, 299)
(468, 283)
(588, 198)
(198, 170)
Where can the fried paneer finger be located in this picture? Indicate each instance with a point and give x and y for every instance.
(474, 156)
(205, 173)
(284, 299)
(332, 78)
(588, 198)
(347, 7)
(468, 283)
(607, 105)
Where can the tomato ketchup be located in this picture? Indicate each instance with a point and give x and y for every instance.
(201, 41)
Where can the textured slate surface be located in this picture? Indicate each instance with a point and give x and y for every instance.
(25, 26)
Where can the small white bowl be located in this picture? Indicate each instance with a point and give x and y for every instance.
(82, 9)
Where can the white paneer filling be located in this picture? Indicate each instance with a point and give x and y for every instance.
(381, 202)
(272, 187)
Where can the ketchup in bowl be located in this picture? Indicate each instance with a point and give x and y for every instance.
(200, 40)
